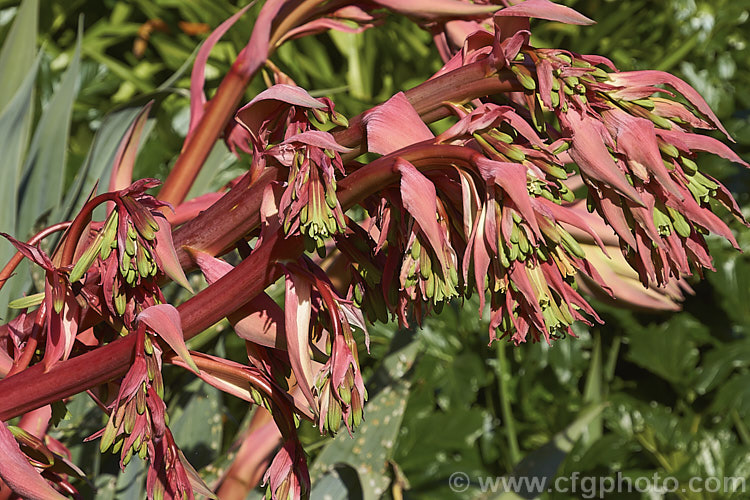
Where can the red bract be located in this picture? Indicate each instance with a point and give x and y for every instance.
(287, 477)
(486, 207)
(58, 313)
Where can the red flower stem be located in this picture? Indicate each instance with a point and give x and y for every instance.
(234, 215)
(34, 387)
(71, 238)
(231, 370)
(7, 271)
(199, 144)
(429, 98)
(223, 106)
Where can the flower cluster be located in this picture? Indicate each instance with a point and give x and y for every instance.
(137, 415)
(287, 477)
(336, 392)
(286, 124)
(137, 423)
(339, 387)
(636, 151)
(516, 242)
(131, 250)
(309, 203)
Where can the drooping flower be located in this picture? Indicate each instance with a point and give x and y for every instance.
(287, 125)
(131, 250)
(314, 313)
(287, 477)
(309, 203)
(137, 423)
(496, 208)
(169, 472)
(635, 149)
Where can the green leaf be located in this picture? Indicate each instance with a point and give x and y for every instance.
(719, 363)
(132, 481)
(44, 170)
(730, 283)
(197, 423)
(593, 391)
(668, 350)
(98, 161)
(734, 394)
(19, 48)
(15, 122)
(544, 462)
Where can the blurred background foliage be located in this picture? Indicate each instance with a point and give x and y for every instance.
(644, 393)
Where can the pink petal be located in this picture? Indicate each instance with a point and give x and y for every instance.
(544, 77)
(673, 109)
(597, 60)
(393, 125)
(636, 139)
(481, 258)
(252, 114)
(18, 473)
(165, 321)
(34, 254)
(122, 168)
(519, 276)
(614, 215)
(512, 178)
(237, 137)
(198, 76)
(700, 143)
(593, 158)
(626, 288)
(470, 201)
(544, 9)
(457, 32)
(705, 217)
(61, 332)
(420, 200)
(132, 381)
(570, 216)
(297, 308)
(652, 77)
(224, 380)
(324, 24)
(290, 94)
(319, 139)
(166, 256)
